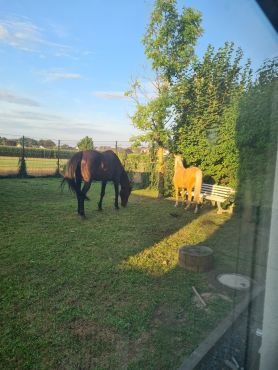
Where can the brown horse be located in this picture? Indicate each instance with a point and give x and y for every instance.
(187, 178)
(91, 165)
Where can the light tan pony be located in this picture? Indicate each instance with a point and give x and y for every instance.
(187, 178)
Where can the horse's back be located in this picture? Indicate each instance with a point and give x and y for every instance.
(186, 177)
(100, 166)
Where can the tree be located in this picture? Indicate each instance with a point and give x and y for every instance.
(86, 143)
(47, 143)
(28, 142)
(206, 106)
(257, 133)
(169, 43)
(171, 38)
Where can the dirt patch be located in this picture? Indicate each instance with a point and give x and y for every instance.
(166, 316)
(86, 329)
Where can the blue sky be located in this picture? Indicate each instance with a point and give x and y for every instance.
(66, 64)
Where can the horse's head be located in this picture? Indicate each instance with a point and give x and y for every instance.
(124, 194)
(178, 161)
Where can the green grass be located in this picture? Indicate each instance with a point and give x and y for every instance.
(105, 292)
(35, 166)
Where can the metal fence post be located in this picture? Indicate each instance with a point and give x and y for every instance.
(58, 159)
(23, 148)
(116, 147)
(22, 171)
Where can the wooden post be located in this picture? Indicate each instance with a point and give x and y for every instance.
(160, 171)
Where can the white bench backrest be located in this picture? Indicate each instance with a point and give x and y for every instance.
(216, 190)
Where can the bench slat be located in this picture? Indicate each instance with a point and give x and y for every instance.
(215, 193)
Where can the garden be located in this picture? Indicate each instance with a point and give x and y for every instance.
(106, 292)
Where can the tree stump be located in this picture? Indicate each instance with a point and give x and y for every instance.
(196, 258)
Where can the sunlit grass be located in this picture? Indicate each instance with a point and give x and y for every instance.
(163, 256)
(105, 292)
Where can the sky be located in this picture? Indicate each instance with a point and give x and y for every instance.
(65, 65)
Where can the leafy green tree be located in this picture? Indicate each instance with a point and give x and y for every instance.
(86, 143)
(169, 43)
(171, 38)
(28, 142)
(206, 105)
(257, 133)
(47, 143)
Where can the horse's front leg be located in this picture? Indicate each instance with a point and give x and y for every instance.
(189, 199)
(177, 197)
(102, 193)
(116, 187)
(82, 197)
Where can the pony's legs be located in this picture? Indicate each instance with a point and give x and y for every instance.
(102, 193)
(78, 197)
(189, 199)
(116, 187)
(81, 198)
(177, 197)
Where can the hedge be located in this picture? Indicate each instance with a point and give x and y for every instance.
(11, 151)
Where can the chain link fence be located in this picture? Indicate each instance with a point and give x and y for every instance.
(22, 156)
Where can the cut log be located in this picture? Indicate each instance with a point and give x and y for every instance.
(196, 258)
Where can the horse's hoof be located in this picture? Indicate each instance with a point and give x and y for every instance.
(100, 209)
(117, 208)
(176, 205)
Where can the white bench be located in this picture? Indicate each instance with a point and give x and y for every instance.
(217, 194)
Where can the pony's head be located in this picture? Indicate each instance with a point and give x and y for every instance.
(178, 161)
(124, 194)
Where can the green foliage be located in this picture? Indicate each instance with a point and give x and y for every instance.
(169, 42)
(171, 37)
(86, 143)
(10, 151)
(257, 134)
(206, 102)
(168, 176)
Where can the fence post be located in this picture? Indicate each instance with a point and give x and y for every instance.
(116, 147)
(160, 170)
(22, 172)
(58, 159)
(23, 147)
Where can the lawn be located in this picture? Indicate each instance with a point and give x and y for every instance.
(105, 292)
(35, 166)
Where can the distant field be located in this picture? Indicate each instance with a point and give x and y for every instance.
(35, 166)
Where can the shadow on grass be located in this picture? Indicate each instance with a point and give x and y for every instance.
(105, 292)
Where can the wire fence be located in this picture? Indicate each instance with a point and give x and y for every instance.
(45, 157)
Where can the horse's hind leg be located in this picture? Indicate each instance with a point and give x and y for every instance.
(82, 197)
(103, 186)
(78, 197)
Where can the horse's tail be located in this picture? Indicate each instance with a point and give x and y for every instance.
(198, 186)
(73, 173)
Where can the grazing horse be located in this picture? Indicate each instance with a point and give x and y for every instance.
(91, 165)
(187, 178)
